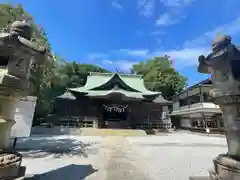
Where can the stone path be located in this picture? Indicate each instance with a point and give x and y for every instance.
(117, 161)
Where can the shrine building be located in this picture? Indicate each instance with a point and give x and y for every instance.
(112, 100)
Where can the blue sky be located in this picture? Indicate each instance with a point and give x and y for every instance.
(118, 33)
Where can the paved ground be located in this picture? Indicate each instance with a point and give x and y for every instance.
(166, 157)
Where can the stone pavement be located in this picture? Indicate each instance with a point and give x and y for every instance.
(119, 161)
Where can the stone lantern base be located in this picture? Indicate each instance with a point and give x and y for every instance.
(226, 168)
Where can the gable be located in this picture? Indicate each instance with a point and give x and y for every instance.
(116, 81)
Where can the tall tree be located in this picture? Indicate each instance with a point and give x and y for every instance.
(40, 77)
(56, 74)
(74, 74)
(159, 75)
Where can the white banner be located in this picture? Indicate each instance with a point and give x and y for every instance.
(24, 117)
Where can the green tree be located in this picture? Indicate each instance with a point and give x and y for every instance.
(159, 75)
(40, 77)
(56, 74)
(74, 74)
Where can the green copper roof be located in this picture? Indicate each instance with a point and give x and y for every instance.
(125, 93)
(127, 85)
(133, 82)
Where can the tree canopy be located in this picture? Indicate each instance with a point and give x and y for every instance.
(58, 74)
(159, 75)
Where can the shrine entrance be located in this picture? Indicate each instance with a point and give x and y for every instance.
(115, 116)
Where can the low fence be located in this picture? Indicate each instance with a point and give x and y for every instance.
(203, 130)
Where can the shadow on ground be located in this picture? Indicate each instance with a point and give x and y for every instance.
(39, 147)
(71, 172)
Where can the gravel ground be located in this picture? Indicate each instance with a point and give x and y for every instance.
(168, 157)
(179, 155)
(60, 157)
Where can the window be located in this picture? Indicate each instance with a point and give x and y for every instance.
(194, 99)
(183, 102)
(198, 123)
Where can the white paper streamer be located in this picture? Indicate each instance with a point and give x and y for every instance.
(115, 108)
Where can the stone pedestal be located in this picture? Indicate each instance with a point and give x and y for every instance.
(8, 102)
(226, 168)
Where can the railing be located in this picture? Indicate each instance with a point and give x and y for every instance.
(197, 105)
(153, 126)
(74, 122)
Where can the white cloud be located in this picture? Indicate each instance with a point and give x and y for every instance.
(205, 39)
(122, 65)
(163, 20)
(155, 33)
(137, 53)
(107, 62)
(183, 57)
(116, 5)
(175, 3)
(175, 12)
(169, 19)
(191, 49)
(146, 7)
(93, 56)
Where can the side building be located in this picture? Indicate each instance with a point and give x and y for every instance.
(111, 100)
(193, 110)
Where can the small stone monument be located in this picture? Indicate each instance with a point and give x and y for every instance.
(224, 66)
(17, 55)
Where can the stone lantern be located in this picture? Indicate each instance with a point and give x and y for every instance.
(224, 66)
(17, 55)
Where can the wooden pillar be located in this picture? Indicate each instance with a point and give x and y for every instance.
(201, 94)
(218, 122)
(128, 118)
(100, 116)
(204, 120)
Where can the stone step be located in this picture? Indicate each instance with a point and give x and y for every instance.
(111, 132)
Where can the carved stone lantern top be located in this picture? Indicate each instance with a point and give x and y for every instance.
(22, 29)
(223, 63)
(17, 53)
(20, 35)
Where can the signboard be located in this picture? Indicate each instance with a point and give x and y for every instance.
(24, 117)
